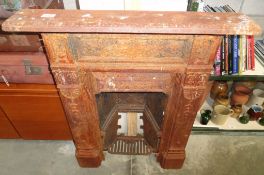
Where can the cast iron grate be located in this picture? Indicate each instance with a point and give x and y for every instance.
(130, 146)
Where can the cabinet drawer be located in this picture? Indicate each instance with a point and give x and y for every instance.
(25, 67)
(35, 111)
(19, 43)
(10, 42)
(7, 131)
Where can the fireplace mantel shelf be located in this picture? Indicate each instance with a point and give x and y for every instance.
(73, 21)
(157, 63)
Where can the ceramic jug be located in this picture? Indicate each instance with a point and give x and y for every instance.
(221, 114)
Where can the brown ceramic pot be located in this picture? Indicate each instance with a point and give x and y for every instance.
(239, 98)
(219, 87)
(249, 84)
(240, 94)
(242, 89)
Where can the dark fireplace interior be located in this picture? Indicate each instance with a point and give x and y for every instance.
(130, 122)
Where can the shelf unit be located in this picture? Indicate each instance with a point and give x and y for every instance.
(232, 124)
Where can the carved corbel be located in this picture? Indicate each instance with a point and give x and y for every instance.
(204, 49)
(58, 48)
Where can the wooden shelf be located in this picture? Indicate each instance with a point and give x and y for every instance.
(232, 124)
(238, 77)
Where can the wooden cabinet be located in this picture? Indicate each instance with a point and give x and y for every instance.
(25, 67)
(7, 131)
(11, 42)
(34, 110)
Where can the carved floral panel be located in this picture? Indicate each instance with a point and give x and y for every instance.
(121, 47)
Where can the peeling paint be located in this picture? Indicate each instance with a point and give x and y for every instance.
(159, 14)
(111, 84)
(123, 17)
(217, 18)
(48, 15)
(63, 79)
(60, 24)
(87, 16)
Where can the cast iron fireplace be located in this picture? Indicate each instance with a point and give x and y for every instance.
(154, 63)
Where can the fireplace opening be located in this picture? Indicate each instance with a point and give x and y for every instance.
(130, 122)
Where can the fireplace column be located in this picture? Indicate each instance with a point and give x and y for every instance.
(185, 99)
(77, 94)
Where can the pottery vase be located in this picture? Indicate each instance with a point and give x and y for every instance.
(239, 98)
(219, 87)
(240, 94)
(205, 116)
(248, 84)
(221, 99)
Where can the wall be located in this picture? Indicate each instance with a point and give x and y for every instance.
(165, 5)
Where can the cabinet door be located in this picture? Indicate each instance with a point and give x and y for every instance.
(7, 131)
(35, 111)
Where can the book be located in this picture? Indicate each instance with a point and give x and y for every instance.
(207, 8)
(248, 62)
(230, 9)
(259, 57)
(189, 5)
(217, 9)
(230, 55)
(226, 52)
(235, 54)
(240, 55)
(252, 53)
(242, 51)
(217, 64)
(259, 54)
(260, 46)
(222, 58)
(259, 51)
(201, 6)
(237, 51)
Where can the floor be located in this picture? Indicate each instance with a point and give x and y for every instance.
(206, 154)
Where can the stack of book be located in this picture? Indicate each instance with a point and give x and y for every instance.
(236, 53)
(259, 51)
